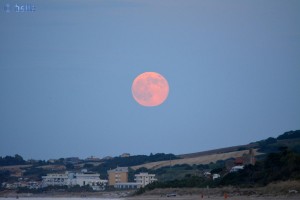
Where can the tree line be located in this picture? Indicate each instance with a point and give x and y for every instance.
(12, 160)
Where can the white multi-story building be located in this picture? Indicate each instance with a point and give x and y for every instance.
(130, 185)
(55, 179)
(91, 179)
(71, 179)
(144, 179)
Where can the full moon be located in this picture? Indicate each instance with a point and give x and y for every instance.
(150, 89)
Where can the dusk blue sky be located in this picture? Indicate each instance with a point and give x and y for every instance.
(66, 72)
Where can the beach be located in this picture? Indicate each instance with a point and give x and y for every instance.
(276, 191)
(121, 196)
(191, 197)
(197, 197)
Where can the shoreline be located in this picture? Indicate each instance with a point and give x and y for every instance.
(124, 196)
(112, 195)
(278, 191)
(157, 197)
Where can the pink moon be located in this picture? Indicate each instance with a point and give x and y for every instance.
(150, 89)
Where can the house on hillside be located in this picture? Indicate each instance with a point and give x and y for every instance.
(72, 160)
(215, 176)
(236, 168)
(125, 155)
(107, 158)
(92, 159)
(207, 174)
(246, 159)
(239, 161)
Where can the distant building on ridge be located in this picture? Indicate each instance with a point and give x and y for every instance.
(92, 159)
(125, 155)
(246, 159)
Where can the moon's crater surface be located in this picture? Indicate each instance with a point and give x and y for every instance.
(150, 89)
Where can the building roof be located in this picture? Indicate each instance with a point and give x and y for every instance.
(124, 155)
(128, 183)
(144, 174)
(118, 169)
(239, 161)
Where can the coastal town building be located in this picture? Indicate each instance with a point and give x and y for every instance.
(72, 179)
(55, 180)
(144, 179)
(118, 175)
(141, 180)
(23, 184)
(130, 185)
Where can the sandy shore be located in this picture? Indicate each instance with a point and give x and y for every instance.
(119, 196)
(197, 197)
(276, 191)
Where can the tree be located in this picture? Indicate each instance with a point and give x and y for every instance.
(4, 176)
(289, 135)
(216, 170)
(9, 160)
(69, 166)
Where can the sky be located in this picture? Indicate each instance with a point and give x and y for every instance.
(66, 71)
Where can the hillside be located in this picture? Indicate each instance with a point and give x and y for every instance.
(290, 139)
(15, 167)
(196, 159)
(218, 151)
(283, 165)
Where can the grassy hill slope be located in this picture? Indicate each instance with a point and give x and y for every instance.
(195, 159)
